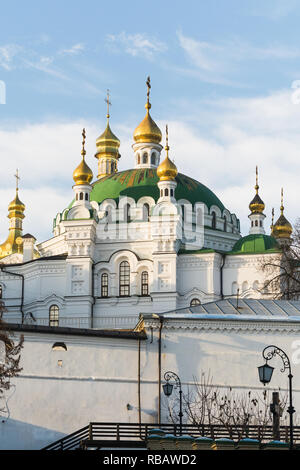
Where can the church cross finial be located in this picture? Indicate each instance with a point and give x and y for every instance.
(281, 207)
(17, 179)
(148, 105)
(167, 148)
(108, 102)
(256, 185)
(83, 152)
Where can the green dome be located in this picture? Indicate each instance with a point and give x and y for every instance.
(255, 243)
(141, 182)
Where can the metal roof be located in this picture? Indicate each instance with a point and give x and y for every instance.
(250, 308)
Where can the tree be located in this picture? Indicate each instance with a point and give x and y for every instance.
(282, 270)
(10, 355)
(208, 406)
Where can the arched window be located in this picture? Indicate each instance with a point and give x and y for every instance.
(81, 196)
(171, 192)
(256, 223)
(214, 220)
(104, 285)
(127, 212)
(124, 279)
(225, 224)
(139, 159)
(194, 302)
(53, 315)
(86, 196)
(145, 158)
(146, 211)
(166, 192)
(161, 193)
(145, 283)
(153, 158)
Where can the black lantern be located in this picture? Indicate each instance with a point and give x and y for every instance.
(168, 388)
(265, 373)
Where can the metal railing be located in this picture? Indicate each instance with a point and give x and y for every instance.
(139, 432)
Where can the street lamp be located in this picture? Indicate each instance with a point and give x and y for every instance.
(265, 373)
(168, 388)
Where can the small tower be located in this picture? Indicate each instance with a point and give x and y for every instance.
(16, 208)
(147, 137)
(107, 149)
(167, 172)
(257, 216)
(82, 176)
(282, 229)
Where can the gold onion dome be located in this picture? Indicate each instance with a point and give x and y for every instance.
(16, 205)
(107, 143)
(282, 228)
(257, 205)
(167, 170)
(147, 130)
(83, 174)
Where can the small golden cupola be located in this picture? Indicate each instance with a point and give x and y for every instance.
(256, 207)
(107, 149)
(147, 137)
(282, 229)
(82, 175)
(16, 208)
(167, 172)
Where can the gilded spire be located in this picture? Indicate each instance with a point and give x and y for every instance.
(147, 130)
(167, 170)
(282, 228)
(107, 147)
(256, 205)
(83, 174)
(16, 210)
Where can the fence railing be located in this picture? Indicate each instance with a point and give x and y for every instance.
(139, 432)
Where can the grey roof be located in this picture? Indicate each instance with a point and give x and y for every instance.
(245, 309)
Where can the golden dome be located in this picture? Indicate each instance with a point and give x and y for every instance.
(83, 174)
(167, 170)
(107, 143)
(257, 205)
(147, 130)
(282, 228)
(16, 205)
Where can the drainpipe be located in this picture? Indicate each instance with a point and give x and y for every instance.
(161, 320)
(221, 276)
(3, 269)
(139, 381)
(93, 296)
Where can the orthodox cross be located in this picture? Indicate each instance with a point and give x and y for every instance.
(148, 105)
(83, 152)
(17, 179)
(107, 101)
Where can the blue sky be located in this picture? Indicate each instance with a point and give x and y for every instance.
(221, 74)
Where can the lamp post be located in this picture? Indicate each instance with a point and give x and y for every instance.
(265, 373)
(168, 388)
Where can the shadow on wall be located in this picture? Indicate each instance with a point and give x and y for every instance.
(18, 435)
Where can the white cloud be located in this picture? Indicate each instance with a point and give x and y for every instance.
(7, 54)
(214, 61)
(136, 44)
(73, 50)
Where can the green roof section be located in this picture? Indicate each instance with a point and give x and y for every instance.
(140, 182)
(255, 244)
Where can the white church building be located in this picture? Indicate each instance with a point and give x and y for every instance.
(131, 246)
